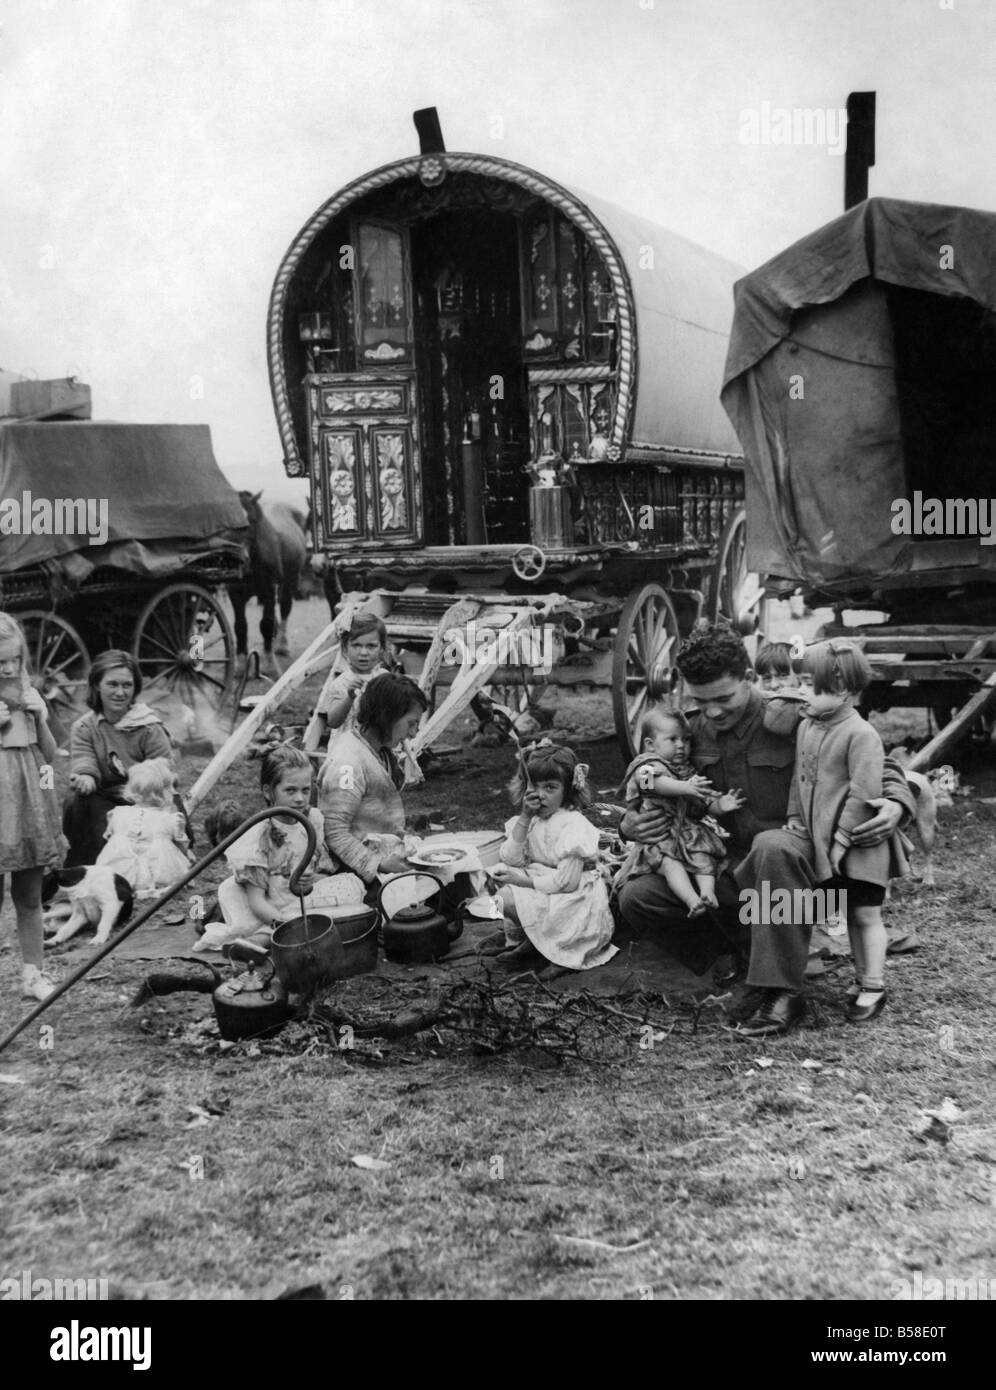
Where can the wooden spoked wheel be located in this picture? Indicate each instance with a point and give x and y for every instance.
(736, 593)
(185, 649)
(59, 666)
(645, 646)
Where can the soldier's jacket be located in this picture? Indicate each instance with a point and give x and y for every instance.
(757, 756)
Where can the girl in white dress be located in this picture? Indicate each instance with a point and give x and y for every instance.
(553, 897)
(147, 841)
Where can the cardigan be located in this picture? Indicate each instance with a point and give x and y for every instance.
(358, 796)
(838, 770)
(106, 751)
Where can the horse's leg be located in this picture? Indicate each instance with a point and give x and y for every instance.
(239, 596)
(288, 588)
(267, 624)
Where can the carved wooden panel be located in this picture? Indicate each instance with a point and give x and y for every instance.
(341, 472)
(394, 481)
(379, 398)
(365, 461)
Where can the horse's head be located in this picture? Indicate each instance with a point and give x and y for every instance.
(251, 507)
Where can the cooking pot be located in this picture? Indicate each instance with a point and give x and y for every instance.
(415, 932)
(308, 953)
(252, 1005)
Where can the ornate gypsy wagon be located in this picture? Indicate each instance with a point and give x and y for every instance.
(504, 395)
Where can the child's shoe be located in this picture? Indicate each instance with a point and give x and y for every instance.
(867, 1005)
(35, 985)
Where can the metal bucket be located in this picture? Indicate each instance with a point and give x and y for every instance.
(357, 928)
(307, 953)
(311, 952)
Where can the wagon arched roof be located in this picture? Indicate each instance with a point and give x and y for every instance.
(674, 303)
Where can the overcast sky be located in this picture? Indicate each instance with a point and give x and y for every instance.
(158, 158)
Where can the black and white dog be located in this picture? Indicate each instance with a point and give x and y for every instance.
(94, 896)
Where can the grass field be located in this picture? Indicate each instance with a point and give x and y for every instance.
(702, 1166)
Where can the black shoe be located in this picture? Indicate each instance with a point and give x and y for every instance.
(780, 1012)
(864, 1013)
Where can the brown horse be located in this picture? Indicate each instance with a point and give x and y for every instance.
(277, 554)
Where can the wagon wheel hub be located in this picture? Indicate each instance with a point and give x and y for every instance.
(659, 680)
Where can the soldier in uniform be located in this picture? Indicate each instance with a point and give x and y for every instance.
(744, 741)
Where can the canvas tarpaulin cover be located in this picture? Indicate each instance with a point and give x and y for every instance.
(862, 366)
(166, 498)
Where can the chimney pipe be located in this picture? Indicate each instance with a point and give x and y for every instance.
(859, 154)
(430, 133)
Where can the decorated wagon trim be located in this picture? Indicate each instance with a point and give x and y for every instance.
(554, 193)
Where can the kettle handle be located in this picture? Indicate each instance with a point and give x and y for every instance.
(412, 873)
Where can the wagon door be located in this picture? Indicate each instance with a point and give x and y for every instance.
(364, 428)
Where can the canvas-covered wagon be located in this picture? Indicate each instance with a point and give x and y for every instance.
(861, 378)
(119, 535)
(503, 394)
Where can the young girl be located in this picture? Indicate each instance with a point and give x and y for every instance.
(363, 654)
(838, 770)
(147, 840)
(30, 838)
(256, 898)
(662, 778)
(553, 897)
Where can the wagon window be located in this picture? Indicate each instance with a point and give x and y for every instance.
(569, 303)
(383, 298)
